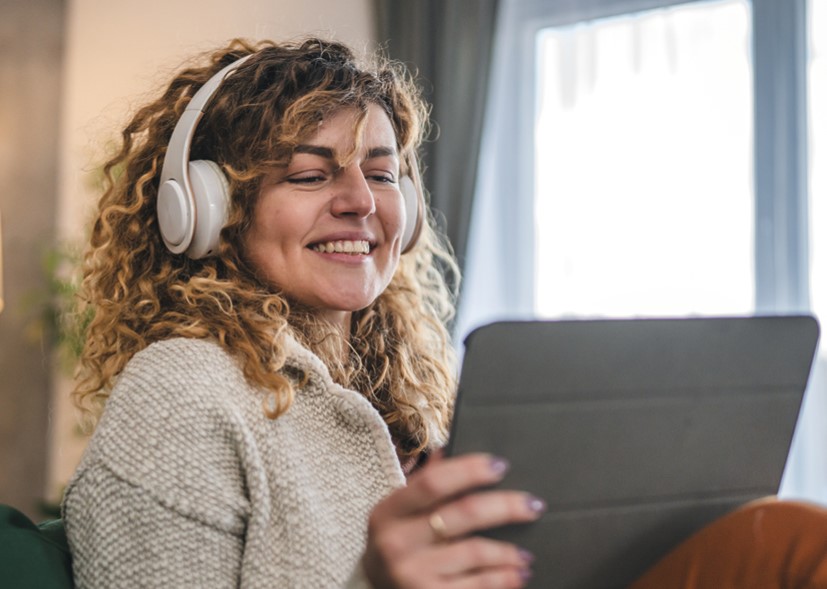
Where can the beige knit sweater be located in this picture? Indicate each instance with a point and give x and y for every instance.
(186, 483)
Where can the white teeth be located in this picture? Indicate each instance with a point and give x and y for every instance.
(343, 247)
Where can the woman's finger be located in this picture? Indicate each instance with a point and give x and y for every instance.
(474, 562)
(481, 511)
(441, 480)
(455, 520)
(474, 554)
(497, 578)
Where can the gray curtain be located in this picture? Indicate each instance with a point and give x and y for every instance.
(449, 43)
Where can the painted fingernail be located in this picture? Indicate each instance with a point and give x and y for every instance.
(526, 556)
(499, 465)
(525, 574)
(536, 504)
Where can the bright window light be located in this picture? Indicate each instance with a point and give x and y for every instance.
(643, 139)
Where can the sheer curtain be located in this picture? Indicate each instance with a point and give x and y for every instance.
(625, 190)
(643, 153)
(806, 474)
(449, 45)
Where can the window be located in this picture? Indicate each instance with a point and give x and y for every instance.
(650, 157)
(643, 158)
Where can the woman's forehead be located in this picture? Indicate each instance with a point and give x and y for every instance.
(348, 131)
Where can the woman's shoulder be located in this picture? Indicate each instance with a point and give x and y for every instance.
(205, 360)
(181, 355)
(175, 380)
(173, 420)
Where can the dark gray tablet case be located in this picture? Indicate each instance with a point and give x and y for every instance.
(636, 432)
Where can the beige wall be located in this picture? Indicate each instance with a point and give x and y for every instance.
(31, 42)
(118, 51)
(114, 53)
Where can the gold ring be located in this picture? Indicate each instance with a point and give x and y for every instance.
(438, 527)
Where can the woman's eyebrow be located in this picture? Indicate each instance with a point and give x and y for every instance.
(328, 153)
(381, 152)
(324, 152)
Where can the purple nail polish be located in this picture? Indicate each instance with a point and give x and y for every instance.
(526, 556)
(525, 574)
(536, 504)
(499, 465)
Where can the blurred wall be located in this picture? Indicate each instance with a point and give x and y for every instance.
(115, 53)
(31, 50)
(118, 52)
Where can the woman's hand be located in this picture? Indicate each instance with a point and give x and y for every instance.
(423, 535)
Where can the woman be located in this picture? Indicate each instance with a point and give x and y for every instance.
(267, 389)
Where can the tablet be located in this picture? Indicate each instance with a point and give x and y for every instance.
(635, 432)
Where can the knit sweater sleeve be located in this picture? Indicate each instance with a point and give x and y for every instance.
(121, 536)
(160, 499)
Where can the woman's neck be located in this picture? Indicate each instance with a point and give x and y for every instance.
(338, 323)
(326, 333)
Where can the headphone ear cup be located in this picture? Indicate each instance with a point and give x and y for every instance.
(211, 193)
(411, 187)
(176, 216)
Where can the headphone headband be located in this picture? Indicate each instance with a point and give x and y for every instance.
(178, 210)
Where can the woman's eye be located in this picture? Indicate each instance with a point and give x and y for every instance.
(383, 178)
(311, 179)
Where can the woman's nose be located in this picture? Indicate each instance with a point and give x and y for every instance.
(352, 194)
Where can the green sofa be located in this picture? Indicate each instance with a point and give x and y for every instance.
(33, 555)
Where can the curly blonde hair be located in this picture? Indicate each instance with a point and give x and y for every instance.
(400, 356)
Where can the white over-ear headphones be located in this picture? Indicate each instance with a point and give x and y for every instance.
(193, 196)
